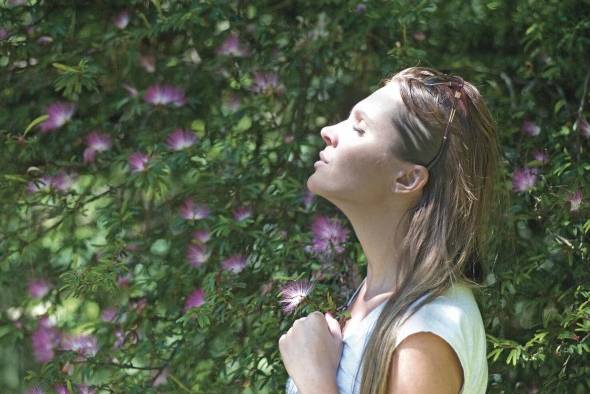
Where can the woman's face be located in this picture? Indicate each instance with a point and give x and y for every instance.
(358, 165)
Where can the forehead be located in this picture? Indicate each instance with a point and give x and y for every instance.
(382, 104)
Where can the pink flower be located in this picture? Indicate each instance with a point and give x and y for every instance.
(139, 305)
(180, 139)
(360, 8)
(89, 155)
(58, 114)
(36, 389)
(148, 62)
(231, 46)
(121, 20)
(530, 128)
(120, 338)
(195, 299)
(581, 125)
(137, 162)
(61, 182)
(242, 213)
(109, 314)
(123, 280)
(39, 288)
(43, 183)
(61, 389)
(165, 95)
(44, 340)
(265, 82)
(575, 199)
(235, 263)
(197, 255)
(44, 40)
(541, 156)
(419, 36)
(293, 293)
(201, 236)
(99, 142)
(190, 210)
(96, 142)
(85, 345)
(308, 199)
(524, 179)
(85, 389)
(327, 234)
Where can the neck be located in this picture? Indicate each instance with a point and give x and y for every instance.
(380, 239)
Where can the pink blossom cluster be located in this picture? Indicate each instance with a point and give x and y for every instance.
(235, 263)
(266, 83)
(165, 95)
(242, 213)
(180, 139)
(195, 299)
(294, 293)
(121, 20)
(38, 288)
(96, 142)
(61, 182)
(197, 253)
(232, 46)
(190, 210)
(138, 162)
(59, 113)
(525, 178)
(329, 236)
(46, 339)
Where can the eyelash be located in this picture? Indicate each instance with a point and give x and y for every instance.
(358, 130)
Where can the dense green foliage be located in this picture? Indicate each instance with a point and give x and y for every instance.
(101, 232)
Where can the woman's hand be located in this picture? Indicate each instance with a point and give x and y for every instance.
(311, 352)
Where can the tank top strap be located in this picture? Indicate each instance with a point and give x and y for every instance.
(352, 297)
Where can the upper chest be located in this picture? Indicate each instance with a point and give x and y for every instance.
(360, 311)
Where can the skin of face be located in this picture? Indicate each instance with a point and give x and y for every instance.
(360, 167)
(369, 184)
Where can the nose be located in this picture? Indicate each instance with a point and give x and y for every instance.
(328, 136)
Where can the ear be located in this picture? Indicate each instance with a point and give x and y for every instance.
(411, 179)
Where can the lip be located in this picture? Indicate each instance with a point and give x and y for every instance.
(323, 158)
(319, 162)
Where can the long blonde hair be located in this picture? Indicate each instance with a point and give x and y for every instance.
(450, 228)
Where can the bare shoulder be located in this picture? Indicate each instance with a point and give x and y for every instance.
(425, 363)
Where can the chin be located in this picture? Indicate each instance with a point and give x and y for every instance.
(310, 184)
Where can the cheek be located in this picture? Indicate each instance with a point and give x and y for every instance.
(365, 168)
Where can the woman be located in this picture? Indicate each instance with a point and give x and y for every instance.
(413, 168)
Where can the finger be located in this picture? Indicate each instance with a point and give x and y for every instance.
(333, 325)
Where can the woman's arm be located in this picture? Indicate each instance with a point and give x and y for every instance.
(424, 363)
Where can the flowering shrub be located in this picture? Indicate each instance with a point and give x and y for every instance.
(156, 231)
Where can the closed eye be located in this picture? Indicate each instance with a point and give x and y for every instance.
(361, 132)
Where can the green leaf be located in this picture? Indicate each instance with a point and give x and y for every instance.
(243, 124)
(35, 122)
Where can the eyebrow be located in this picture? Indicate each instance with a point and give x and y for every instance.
(362, 113)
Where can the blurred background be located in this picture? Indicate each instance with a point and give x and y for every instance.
(153, 163)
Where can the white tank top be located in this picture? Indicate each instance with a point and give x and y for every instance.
(453, 316)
